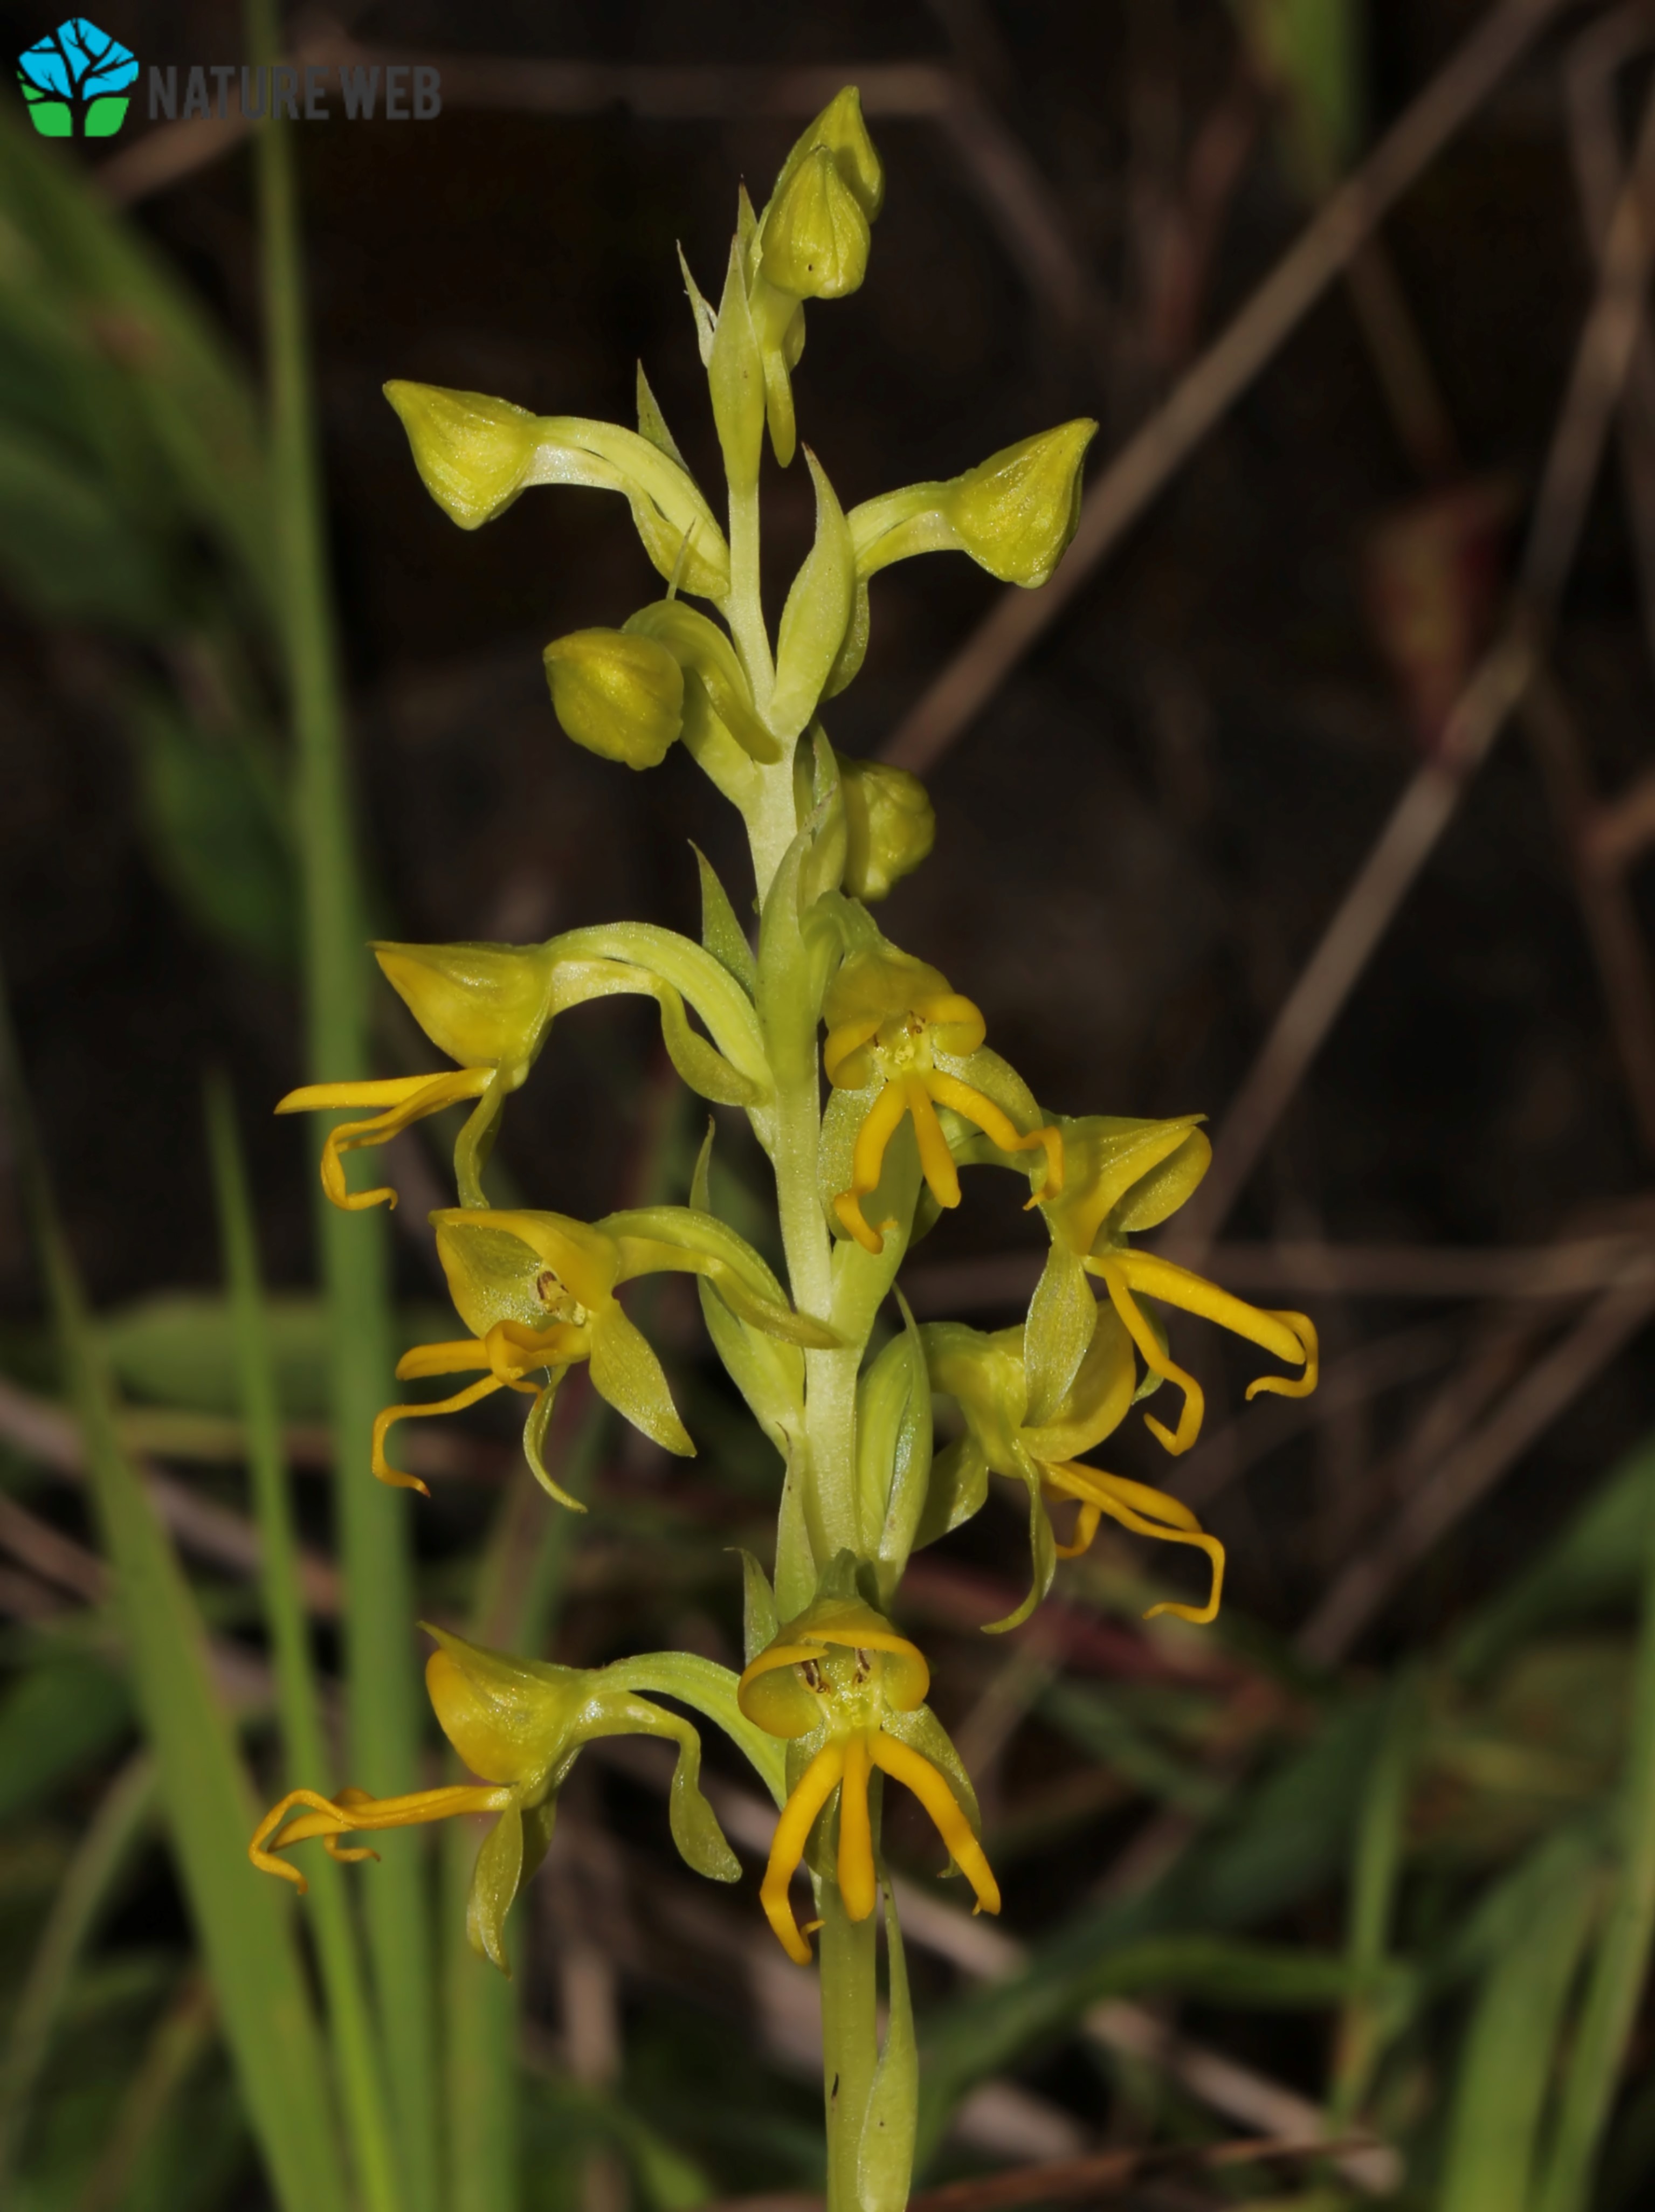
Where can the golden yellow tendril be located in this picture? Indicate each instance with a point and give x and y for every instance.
(510, 1351)
(1146, 1511)
(402, 1100)
(330, 1818)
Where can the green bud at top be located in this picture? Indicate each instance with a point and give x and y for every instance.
(617, 694)
(1015, 513)
(840, 131)
(473, 454)
(816, 234)
(890, 827)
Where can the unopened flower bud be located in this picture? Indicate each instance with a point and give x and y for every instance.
(1015, 513)
(473, 454)
(617, 694)
(890, 827)
(841, 131)
(816, 234)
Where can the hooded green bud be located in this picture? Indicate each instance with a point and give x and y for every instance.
(1016, 511)
(617, 694)
(816, 234)
(840, 131)
(890, 827)
(473, 454)
(1013, 513)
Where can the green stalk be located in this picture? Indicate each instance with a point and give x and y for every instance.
(381, 1696)
(1369, 2015)
(1622, 1964)
(850, 2040)
(361, 2091)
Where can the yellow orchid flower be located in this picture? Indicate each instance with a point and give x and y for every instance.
(487, 1007)
(841, 1685)
(987, 1377)
(889, 1017)
(1125, 1177)
(538, 1291)
(520, 1724)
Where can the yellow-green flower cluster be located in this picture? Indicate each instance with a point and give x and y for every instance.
(868, 1084)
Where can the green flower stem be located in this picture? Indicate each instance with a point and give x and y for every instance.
(849, 2038)
(381, 1686)
(745, 609)
(362, 2087)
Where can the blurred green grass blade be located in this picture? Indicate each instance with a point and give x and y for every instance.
(1597, 1563)
(382, 1680)
(1620, 1963)
(1376, 1869)
(114, 290)
(66, 1711)
(117, 294)
(177, 2044)
(217, 838)
(243, 1924)
(356, 2052)
(1512, 2045)
(97, 1863)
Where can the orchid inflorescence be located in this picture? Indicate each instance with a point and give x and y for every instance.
(833, 1694)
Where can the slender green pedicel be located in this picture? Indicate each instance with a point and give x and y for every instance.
(833, 1692)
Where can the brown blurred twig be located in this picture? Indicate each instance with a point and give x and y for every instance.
(1146, 462)
(1431, 797)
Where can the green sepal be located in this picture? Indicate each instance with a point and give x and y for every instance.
(1062, 1315)
(721, 932)
(651, 423)
(790, 982)
(769, 1373)
(710, 1690)
(706, 321)
(922, 1731)
(706, 738)
(496, 1880)
(824, 821)
(534, 1443)
(958, 1490)
(695, 1825)
(735, 376)
(588, 962)
(706, 1071)
(712, 1247)
(698, 645)
(884, 2149)
(795, 1555)
(759, 1619)
(852, 648)
(893, 1450)
(1043, 1552)
(817, 615)
(626, 1373)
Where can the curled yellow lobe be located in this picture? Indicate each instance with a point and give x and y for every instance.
(401, 1101)
(905, 1766)
(330, 1818)
(510, 1351)
(1147, 1512)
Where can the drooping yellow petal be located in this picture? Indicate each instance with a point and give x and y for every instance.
(1281, 1333)
(881, 1123)
(999, 1130)
(1291, 1385)
(858, 1883)
(816, 1786)
(936, 1160)
(403, 1100)
(917, 1774)
(1157, 1360)
(354, 1810)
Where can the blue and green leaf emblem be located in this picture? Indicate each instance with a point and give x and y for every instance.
(76, 81)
